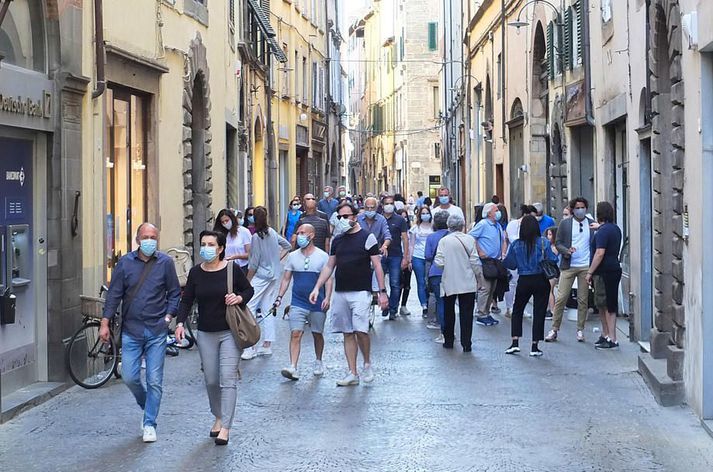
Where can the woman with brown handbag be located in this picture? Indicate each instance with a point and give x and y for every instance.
(219, 353)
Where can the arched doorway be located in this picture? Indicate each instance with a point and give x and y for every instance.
(517, 156)
(197, 161)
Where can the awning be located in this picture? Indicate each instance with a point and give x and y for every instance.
(263, 22)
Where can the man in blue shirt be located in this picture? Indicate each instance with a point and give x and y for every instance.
(397, 258)
(545, 221)
(145, 283)
(305, 266)
(328, 205)
(490, 243)
(375, 224)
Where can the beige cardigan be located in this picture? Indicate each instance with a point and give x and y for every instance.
(458, 263)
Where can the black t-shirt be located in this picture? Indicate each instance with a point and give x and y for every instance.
(608, 237)
(397, 225)
(209, 290)
(321, 227)
(353, 252)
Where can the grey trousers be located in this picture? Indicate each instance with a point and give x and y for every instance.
(221, 358)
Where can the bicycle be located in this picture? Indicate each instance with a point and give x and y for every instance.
(91, 361)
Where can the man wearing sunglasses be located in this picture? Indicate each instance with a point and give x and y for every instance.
(574, 237)
(305, 266)
(354, 253)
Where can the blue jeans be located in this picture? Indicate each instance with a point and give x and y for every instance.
(392, 267)
(419, 268)
(435, 284)
(153, 348)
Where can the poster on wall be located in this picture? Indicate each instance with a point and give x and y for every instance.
(575, 112)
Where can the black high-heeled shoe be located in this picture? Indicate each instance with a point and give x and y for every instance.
(214, 434)
(221, 442)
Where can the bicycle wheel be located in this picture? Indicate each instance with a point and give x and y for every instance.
(90, 361)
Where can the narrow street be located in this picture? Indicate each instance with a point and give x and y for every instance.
(575, 409)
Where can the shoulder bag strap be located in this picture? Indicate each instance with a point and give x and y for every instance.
(464, 248)
(230, 276)
(144, 273)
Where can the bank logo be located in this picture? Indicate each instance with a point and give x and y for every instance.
(16, 176)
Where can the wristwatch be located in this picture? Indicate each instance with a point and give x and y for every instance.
(383, 290)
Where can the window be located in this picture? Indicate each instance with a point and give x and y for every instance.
(432, 36)
(315, 86)
(304, 80)
(437, 151)
(500, 75)
(285, 74)
(126, 131)
(436, 102)
(22, 38)
(231, 16)
(577, 37)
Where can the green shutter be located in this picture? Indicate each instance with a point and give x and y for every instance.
(551, 50)
(567, 53)
(432, 36)
(580, 29)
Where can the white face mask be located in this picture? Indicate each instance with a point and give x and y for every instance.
(228, 225)
(344, 224)
(399, 205)
(388, 208)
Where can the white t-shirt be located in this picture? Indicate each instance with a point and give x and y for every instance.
(236, 245)
(452, 210)
(418, 237)
(513, 231)
(580, 241)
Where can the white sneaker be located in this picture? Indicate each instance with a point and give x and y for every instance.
(368, 373)
(348, 381)
(248, 354)
(527, 315)
(290, 373)
(439, 339)
(264, 351)
(404, 312)
(318, 369)
(149, 434)
(580, 336)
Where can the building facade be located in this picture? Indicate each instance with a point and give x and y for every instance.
(42, 89)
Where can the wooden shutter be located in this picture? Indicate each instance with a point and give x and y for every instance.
(567, 31)
(551, 50)
(580, 29)
(432, 36)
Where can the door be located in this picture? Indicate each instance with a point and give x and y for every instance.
(621, 205)
(125, 173)
(646, 312)
(517, 174)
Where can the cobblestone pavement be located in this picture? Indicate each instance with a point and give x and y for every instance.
(575, 409)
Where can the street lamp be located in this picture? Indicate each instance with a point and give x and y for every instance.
(519, 23)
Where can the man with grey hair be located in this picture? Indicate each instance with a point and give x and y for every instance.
(145, 283)
(490, 244)
(328, 204)
(457, 256)
(545, 221)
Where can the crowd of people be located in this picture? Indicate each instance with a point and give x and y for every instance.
(344, 254)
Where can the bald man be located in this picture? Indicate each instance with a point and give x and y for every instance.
(144, 281)
(305, 265)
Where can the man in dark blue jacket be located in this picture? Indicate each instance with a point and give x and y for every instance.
(145, 283)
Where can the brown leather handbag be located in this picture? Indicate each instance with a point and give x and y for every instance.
(242, 323)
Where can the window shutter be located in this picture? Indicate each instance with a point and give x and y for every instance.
(551, 51)
(567, 53)
(580, 30)
(432, 36)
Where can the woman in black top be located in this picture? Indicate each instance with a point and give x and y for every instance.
(208, 285)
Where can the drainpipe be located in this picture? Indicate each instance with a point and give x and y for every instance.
(587, 65)
(98, 48)
(503, 105)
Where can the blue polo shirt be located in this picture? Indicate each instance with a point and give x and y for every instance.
(328, 206)
(546, 222)
(490, 236)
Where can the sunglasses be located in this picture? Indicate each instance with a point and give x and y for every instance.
(306, 263)
(581, 227)
(339, 217)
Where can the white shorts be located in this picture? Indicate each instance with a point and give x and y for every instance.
(350, 312)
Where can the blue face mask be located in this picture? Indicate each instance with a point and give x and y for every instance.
(370, 213)
(302, 241)
(425, 217)
(498, 215)
(208, 253)
(443, 200)
(148, 247)
(251, 219)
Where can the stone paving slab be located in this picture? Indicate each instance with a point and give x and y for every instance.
(575, 409)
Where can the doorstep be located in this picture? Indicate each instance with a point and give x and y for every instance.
(28, 397)
(708, 426)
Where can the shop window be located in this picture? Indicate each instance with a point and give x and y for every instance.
(22, 36)
(126, 132)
